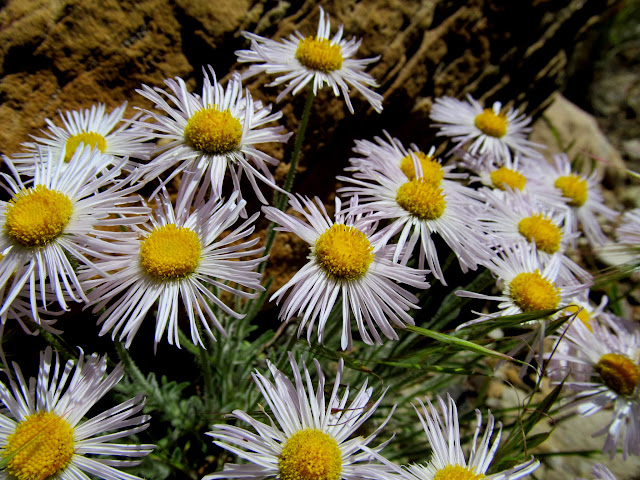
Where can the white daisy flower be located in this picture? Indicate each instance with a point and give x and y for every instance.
(177, 258)
(110, 134)
(583, 195)
(419, 206)
(318, 59)
(628, 234)
(211, 133)
(54, 218)
(603, 363)
(308, 438)
(448, 459)
(344, 260)
(519, 217)
(484, 130)
(42, 432)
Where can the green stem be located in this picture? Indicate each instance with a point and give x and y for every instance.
(136, 375)
(280, 201)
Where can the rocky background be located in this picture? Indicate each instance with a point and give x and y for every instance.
(579, 56)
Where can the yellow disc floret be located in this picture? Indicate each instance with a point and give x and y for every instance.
(619, 373)
(542, 231)
(574, 187)
(581, 313)
(531, 292)
(431, 169)
(457, 472)
(491, 124)
(344, 252)
(41, 446)
(310, 454)
(421, 199)
(95, 140)
(505, 177)
(170, 252)
(319, 54)
(213, 131)
(36, 216)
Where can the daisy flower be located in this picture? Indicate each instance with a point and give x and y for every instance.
(318, 59)
(602, 361)
(108, 133)
(345, 261)
(42, 432)
(419, 206)
(601, 472)
(582, 194)
(211, 133)
(484, 130)
(628, 234)
(308, 437)
(55, 217)
(177, 258)
(448, 459)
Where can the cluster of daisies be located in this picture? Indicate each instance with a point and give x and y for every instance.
(76, 229)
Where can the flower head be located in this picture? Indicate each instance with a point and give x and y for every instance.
(484, 130)
(320, 59)
(42, 432)
(310, 439)
(211, 133)
(177, 257)
(344, 261)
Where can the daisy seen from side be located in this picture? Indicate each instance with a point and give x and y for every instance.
(602, 361)
(211, 134)
(57, 215)
(308, 438)
(448, 460)
(42, 431)
(179, 257)
(109, 133)
(344, 262)
(484, 130)
(320, 59)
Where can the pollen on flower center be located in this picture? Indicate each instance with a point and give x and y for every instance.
(310, 454)
(574, 187)
(432, 170)
(491, 124)
(41, 446)
(344, 251)
(581, 314)
(542, 231)
(170, 252)
(95, 140)
(531, 292)
(457, 472)
(319, 54)
(618, 372)
(35, 216)
(505, 177)
(213, 131)
(422, 199)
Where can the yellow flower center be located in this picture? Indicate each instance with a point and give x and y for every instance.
(542, 231)
(41, 446)
(457, 472)
(431, 169)
(170, 252)
(573, 187)
(310, 454)
(531, 292)
(344, 252)
(88, 138)
(35, 216)
(505, 177)
(319, 54)
(619, 373)
(422, 199)
(491, 124)
(581, 313)
(213, 131)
